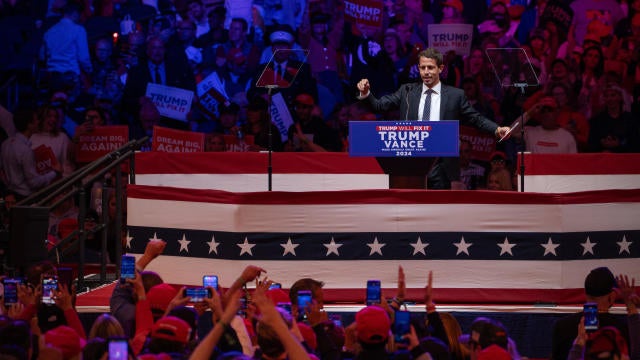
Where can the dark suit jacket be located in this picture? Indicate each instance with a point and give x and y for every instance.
(453, 106)
(177, 74)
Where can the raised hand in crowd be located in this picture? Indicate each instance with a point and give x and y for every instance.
(153, 249)
(628, 293)
(204, 350)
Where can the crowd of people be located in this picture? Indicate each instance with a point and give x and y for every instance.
(150, 319)
(97, 58)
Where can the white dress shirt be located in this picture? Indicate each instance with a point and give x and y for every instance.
(434, 114)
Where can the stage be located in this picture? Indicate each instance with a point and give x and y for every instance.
(518, 257)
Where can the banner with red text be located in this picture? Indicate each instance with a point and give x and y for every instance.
(171, 140)
(172, 102)
(101, 141)
(366, 12)
(45, 159)
(447, 37)
(482, 144)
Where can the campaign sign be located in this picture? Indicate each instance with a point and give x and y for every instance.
(447, 37)
(45, 159)
(101, 141)
(172, 102)
(367, 12)
(482, 144)
(171, 140)
(403, 138)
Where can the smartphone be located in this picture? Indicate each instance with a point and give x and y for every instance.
(65, 277)
(275, 286)
(128, 267)
(590, 311)
(10, 286)
(336, 319)
(286, 306)
(374, 294)
(197, 294)
(401, 325)
(210, 280)
(118, 349)
(242, 311)
(49, 288)
(304, 301)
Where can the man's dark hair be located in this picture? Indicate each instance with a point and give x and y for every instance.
(242, 21)
(431, 53)
(491, 332)
(150, 279)
(23, 116)
(217, 11)
(72, 7)
(304, 284)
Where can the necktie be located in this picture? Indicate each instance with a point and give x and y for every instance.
(157, 75)
(426, 112)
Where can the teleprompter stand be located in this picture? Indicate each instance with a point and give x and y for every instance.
(513, 69)
(277, 75)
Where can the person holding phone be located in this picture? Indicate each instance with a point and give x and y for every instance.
(601, 288)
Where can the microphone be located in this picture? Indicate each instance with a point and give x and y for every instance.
(409, 88)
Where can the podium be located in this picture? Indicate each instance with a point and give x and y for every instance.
(405, 150)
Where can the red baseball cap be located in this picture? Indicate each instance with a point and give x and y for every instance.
(372, 325)
(171, 328)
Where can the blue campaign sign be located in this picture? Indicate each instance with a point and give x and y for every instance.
(403, 138)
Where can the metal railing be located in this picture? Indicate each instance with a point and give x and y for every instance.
(77, 184)
(10, 91)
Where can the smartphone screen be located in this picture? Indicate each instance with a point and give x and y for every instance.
(128, 267)
(374, 294)
(118, 349)
(590, 316)
(197, 294)
(242, 311)
(210, 280)
(49, 288)
(65, 277)
(11, 290)
(304, 301)
(275, 286)
(401, 325)
(336, 319)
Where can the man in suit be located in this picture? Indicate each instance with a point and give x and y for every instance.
(158, 68)
(291, 76)
(430, 101)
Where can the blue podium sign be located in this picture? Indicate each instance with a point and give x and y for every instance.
(403, 138)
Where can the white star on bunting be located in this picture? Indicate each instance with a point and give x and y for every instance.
(419, 246)
(462, 246)
(587, 247)
(213, 245)
(376, 247)
(129, 238)
(505, 247)
(155, 238)
(550, 248)
(289, 248)
(246, 247)
(184, 243)
(332, 247)
(624, 245)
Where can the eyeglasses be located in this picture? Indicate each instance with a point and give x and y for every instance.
(498, 161)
